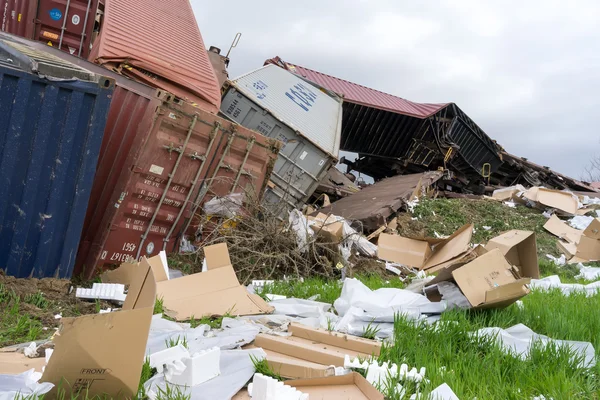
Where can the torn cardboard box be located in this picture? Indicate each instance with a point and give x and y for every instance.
(17, 363)
(327, 227)
(424, 253)
(556, 199)
(103, 354)
(294, 368)
(487, 282)
(588, 249)
(593, 229)
(215, 292)
(520, 249)
(318, 346)
(566, 248)
(507, 193)
(559, 228)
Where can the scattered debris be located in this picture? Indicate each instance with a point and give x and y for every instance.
(103, 291)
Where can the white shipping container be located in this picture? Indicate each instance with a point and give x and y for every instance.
(308, 110)
(306, 118)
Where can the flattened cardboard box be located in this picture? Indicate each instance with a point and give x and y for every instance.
(327, 227)
(559, 228)
(294, 368)
(593, 229)
(346, 387)
(487, 282)
(562, 201)
(520, 249)
(17, 363)
(215, 292)
(103, 354)
(588, 249)
(419, 253)
(318, 345)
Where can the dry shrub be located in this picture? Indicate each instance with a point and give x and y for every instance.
(263, 246)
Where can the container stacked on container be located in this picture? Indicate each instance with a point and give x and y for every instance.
(305, 117)
(53, 119)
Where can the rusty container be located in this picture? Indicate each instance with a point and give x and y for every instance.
(69, 25)
(160, 161)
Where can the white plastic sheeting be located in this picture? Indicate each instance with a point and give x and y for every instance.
(227, 206)
(234, 334)
(299, 224)
(236, 370)
(581, 222)
(23, 385)
(300, 307)
(560, 261)
(590, 200)
(360, 307)
(519, 339)
(554, 282)
(588, 273)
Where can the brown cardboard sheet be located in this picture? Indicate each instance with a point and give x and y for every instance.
(346, 387)
(103, 354)
(559, 228)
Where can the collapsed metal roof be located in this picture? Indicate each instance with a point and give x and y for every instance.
(414, 137)
(395, 136)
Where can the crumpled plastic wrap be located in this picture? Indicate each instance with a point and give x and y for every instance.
(300, 307)
(227, 206)
(236, 367)
(581, 222)
(299, 224)
(23, 385)
(453, 296)
(519, 339)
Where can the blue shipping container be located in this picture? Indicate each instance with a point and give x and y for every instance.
(51, 128)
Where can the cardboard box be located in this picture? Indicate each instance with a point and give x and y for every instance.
(507, 193)
(17, 363)
(566, 248)
(327, 227)
(425, 253)
(520, 249)
(103, 354)
(294, 368)
(318, 345)
(593, 229)
(559, 228)
(352, 386)
(212, 293)
(588, 249)
(487, 282)
(556, 199)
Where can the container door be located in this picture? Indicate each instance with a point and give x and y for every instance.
(18, 17)
(67, 24)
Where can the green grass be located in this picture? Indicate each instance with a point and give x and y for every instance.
(37, 299)
(479, 368)
(262, 367)
(15, 326)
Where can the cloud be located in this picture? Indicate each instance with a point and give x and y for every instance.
(527, 72)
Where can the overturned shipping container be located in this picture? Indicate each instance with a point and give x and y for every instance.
(70, 26)
(158, 42)
(306, 118)
(53, 115)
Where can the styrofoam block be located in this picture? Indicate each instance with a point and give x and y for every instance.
(199, 368)
(379, 375)
(266, 388)
(356, 364)
(443, 392)
(172, 357)
(103, 291)
(258, 284)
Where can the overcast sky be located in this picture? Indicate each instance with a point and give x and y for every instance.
(527, 72)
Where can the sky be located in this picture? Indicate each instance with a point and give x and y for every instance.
(527, 72)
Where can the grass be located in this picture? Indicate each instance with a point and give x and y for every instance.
(16, 326)
(262, 367)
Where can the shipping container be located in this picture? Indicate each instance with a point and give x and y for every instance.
(50, 136)
(69, 25)
(306, 118)
(145, 133)
(158, 42)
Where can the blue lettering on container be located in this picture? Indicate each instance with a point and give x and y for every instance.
(302, 96)
(55, 14)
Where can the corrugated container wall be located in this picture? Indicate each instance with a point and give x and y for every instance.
(50, 135)
(68, 25)
(306, 118)
(158, 42)
(145, 133)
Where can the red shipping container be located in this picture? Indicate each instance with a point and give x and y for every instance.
(160, 160)
(68, 25)
(158, 42)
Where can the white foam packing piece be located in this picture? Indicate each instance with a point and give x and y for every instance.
(199, 368)
(356, 364)
(379, 375)
(171, 357)
(103, 291)
(266, 388)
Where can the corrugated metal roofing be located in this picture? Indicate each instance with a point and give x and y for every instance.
(363, 95)
(307, 110)
(159, 43)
